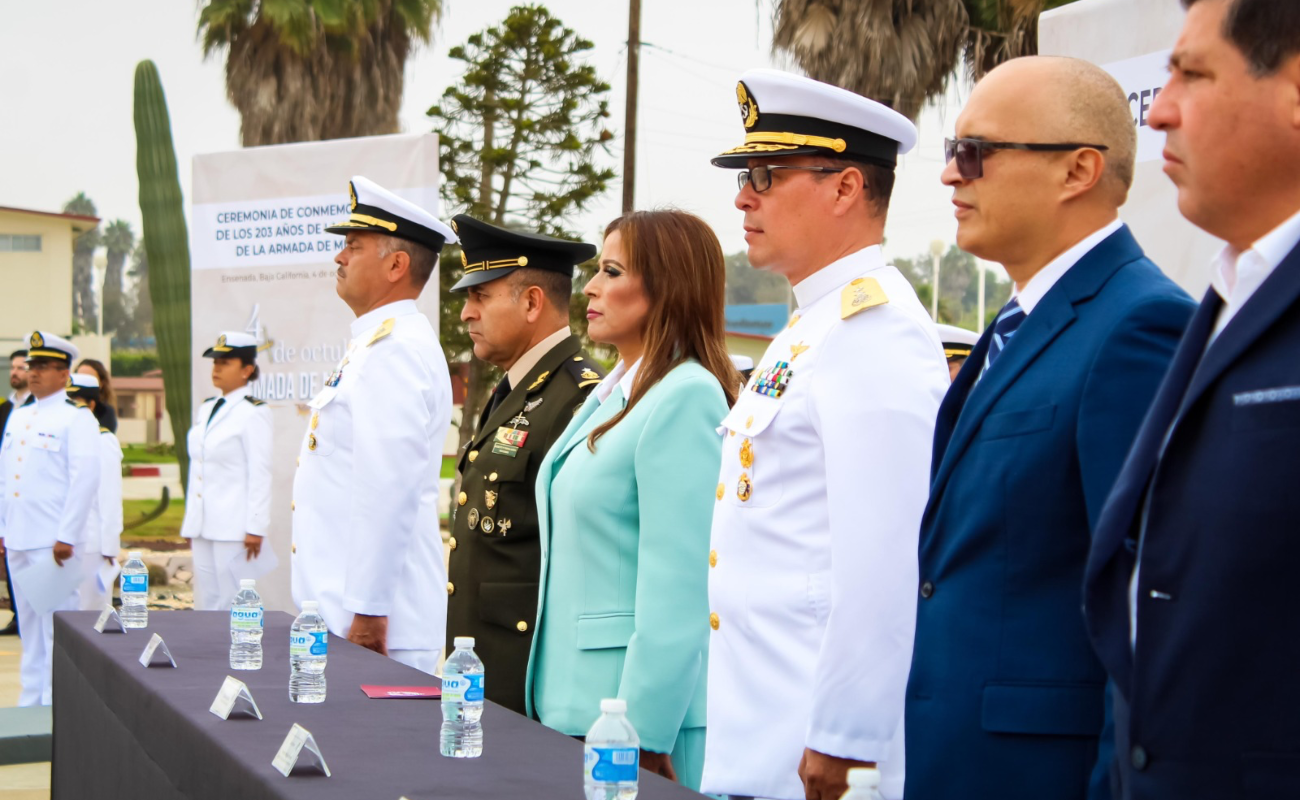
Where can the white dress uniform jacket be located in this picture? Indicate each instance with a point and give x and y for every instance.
(813, 571)
(230, 470)
(366, 536)
(50, 476)
(104, 524)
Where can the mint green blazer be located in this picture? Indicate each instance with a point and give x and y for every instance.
(623, 603)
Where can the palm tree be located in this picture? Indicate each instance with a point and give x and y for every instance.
(305, 70)
(83, 264)
(901, 52)
(119, 241)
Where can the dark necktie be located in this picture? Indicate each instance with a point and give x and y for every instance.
(221, 401)
(1004, 327)
(498, 395)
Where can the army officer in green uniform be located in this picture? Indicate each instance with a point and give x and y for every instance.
(518, 287)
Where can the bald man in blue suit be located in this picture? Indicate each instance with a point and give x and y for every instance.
(1006, 700)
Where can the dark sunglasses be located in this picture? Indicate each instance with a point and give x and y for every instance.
(970, 152)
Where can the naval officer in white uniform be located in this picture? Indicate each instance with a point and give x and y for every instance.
(228, 502)
(104, 527)
(49, 477)
(825, 463)
(366, 538)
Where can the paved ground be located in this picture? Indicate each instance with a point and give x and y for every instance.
(25, 781)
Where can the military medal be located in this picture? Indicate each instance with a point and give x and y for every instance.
(490, 498)
(519, 420)
(797, 350)
(473, 518)
(337, 374)
(311, 441)
(747, 453)
(531, 404)
(744, 487)
(503, 526)
(486, 527)
(508, 441)
(773, 381)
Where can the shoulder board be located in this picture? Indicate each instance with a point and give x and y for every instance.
(3, 400)
(860, 295)
(70, 401)
(584, 370)
(254, 400)
(102, 429)
(383, 331)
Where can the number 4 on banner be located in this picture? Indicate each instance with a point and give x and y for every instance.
(298, 740)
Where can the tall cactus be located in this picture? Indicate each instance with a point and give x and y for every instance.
(166, 243)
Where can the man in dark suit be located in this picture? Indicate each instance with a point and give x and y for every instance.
(1005, 698)
(518, 287)
(1190, 595)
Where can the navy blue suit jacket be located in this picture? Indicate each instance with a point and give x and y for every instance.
(1209, 705)
(1006, 698)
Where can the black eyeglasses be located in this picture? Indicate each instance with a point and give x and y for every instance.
(761, 177)
(970, 152)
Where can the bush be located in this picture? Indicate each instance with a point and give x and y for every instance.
(133, 363)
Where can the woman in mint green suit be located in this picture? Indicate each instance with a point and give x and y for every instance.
(625, 499)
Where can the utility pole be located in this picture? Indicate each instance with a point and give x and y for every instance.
(629, 121)
(936, 253)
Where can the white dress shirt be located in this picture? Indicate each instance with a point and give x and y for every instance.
(620, 376)
(1037, 287)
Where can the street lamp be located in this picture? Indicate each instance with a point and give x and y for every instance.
(936, 250)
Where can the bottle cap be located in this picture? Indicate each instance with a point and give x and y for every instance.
(247, 583)
(133, 554)
(310, 605)
(613, 705)
(463, 641)
(864, 778)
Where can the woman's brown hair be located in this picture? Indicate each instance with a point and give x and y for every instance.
(680, 264)
(106, 396)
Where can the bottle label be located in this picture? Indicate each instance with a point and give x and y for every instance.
(611, 764)
(135, 583)
(305, 643)
(246, 619)
(462, 688)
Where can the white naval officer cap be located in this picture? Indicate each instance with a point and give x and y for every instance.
(790, 115)
(83, 387)
(378, 210)
(233, 344)
(957, 342)
(42, 344)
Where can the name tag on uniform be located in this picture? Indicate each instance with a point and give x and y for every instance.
(508, 441)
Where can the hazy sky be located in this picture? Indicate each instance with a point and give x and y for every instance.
(68, 104)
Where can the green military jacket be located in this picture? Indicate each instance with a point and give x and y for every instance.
(495, 555)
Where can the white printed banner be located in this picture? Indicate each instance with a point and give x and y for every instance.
(1142, 78)
(262, 263)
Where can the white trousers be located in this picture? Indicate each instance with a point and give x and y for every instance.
(214, 585)
(37, 630)
(423, 660)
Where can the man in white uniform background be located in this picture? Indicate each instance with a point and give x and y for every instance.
(49, 477)
(366, 538)
(825, 460)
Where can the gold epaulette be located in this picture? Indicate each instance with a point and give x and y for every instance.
(383, 331)
(860, 295)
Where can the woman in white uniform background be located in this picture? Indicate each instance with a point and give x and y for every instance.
(228, 501)
(104, 525)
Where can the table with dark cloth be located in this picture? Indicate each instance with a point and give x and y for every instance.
(122, 730)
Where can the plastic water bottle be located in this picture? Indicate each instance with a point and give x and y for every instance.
(462, 702)
(308, 649)
(864, 784)
(135, 592)
(246, 627)
(612, 755)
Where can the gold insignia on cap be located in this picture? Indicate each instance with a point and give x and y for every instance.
(454, 227)
(352, 195)
(747, 453)
(464, 262)
(860, 295)
(221, 340)
(37, 340)
(748, 106)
